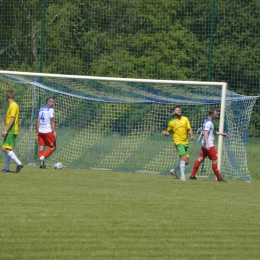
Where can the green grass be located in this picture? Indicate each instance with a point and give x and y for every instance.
(81, 214)
(252, 158)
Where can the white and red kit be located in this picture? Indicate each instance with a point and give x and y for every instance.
(45, 135)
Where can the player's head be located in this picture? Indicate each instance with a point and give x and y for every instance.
(50, 101)
(213, 113)
(176, 111)
(9, 94)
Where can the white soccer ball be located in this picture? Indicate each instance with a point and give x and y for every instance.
(58, 165)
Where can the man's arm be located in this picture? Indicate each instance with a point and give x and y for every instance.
(53, 126)
(191, 134)
(206, 138)
(223, 134)
(37, 127)
(4, 133)
(165, 133)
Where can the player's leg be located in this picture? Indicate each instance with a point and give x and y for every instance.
(187, 152)
(40, 151)
(182, 153)
(7, 163)
(202, 156)
(8, 146)
(45, 139)
(7, 158)
(173, 171)
(41, 144)
(182, 167)
(184, 160)
(216, 170)
(48, 152)
(50, 141)
(214, 158)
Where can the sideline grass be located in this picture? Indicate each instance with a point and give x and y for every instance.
(81, 214)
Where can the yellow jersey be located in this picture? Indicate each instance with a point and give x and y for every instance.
(13, 111)
(179, 127)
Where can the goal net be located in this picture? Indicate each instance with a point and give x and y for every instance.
(116, 124)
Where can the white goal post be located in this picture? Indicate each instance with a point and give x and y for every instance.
(141, 91)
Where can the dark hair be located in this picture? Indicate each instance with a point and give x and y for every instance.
(48, 98)
(175, 107)
(212, 111)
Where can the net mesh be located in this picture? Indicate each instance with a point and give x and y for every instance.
(198, 40)
(117, 125)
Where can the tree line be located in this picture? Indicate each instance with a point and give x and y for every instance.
(162, 39)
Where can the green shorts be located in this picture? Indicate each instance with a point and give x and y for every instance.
(183, 149)
(9, 142)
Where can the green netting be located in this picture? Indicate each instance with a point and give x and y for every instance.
(199, 40)
(159, 39)
(106, 124)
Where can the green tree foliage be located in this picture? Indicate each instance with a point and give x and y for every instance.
(162, 39)
(19, 33)
(153, 45)
(166, 39)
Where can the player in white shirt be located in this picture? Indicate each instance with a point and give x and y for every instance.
(209, 127)
(46, 131)
(208, 149)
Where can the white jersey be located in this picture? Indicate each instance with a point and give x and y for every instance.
(208, 126)
(45, 114)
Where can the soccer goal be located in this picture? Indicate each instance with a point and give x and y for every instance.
(116, 123)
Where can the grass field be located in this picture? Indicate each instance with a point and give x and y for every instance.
(252, 158)
(82, 214)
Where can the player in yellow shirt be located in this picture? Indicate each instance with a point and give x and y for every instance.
(10, 133)
(180, 127)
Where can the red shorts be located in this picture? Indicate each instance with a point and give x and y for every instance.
(211, 153)
(46, 139)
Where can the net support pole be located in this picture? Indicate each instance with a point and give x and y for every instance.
(221, 123)
(42, 35)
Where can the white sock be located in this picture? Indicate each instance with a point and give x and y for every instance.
(7, 162)
(182, 167)
(177, 167)
(12, 155)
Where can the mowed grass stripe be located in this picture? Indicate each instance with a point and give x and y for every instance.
(81, 214)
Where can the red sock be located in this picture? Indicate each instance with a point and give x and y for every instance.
(47, 153)
(195, 168)
(216, 170)
(40, 153)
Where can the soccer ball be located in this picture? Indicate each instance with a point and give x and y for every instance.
(58, 166)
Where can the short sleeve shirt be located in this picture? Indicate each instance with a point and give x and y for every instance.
(208, 126)
(45, 114)
(179, 127)
(13, 111)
